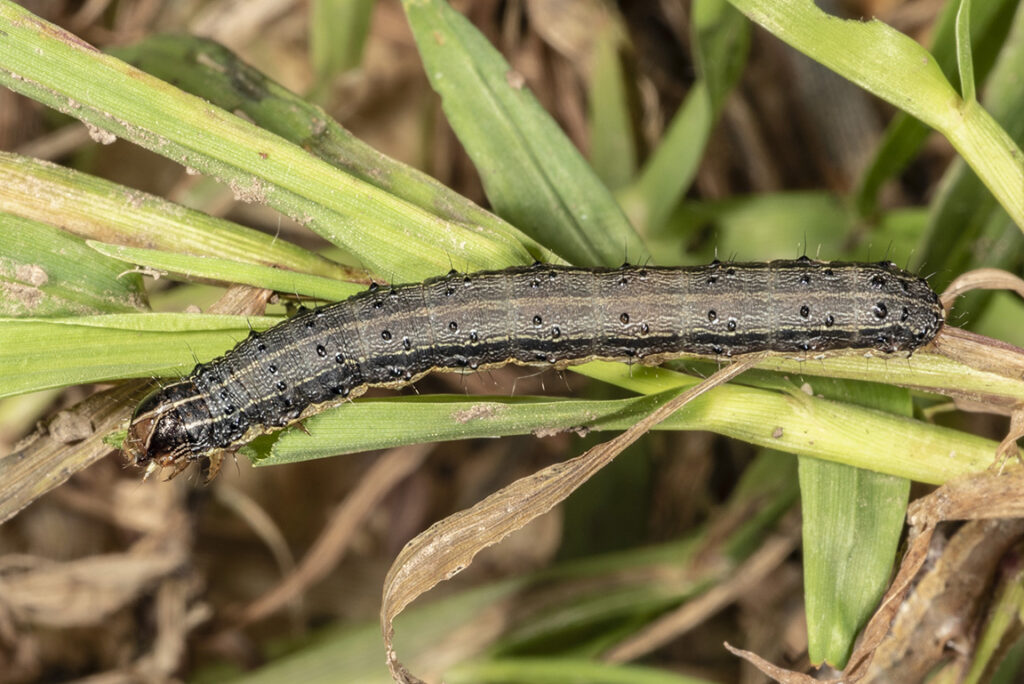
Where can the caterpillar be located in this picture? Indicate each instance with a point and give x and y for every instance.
(540, 314)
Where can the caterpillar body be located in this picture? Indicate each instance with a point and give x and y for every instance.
(541, 314)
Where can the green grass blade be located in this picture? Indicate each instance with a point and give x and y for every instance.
(96, 208)
(721, 39)
(211, 71)
(929, 372)
(387, 234)
(999, 629)
(904, 136)
(891, 65)
(963, 213)
(532, 174)
(784, 225)
(852, 522)
(767, 489)
(802, 425)
(964, 55)
(1002, 318)
(228, 271)
(613, 137)
(43, 353)
(47, 272)
(764, 226)
(354, 650)
(672, 167)
(337, 35)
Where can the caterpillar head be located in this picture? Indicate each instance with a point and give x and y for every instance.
(906, 311)
(156, 435)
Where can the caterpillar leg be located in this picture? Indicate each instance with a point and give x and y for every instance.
(209, 466)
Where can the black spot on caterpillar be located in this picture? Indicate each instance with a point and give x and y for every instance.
(543, 314)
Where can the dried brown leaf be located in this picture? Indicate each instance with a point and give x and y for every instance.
(939, 616)
(980, 352)
(987, 495)
(943, 595)
(779, 674)
(42, 463)
(1008, 447)
(83, 592)
(981, 279)
(449, 546)
(241, 300)
(572, 28)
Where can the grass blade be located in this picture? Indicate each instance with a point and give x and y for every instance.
(95, 208)
(211, 71)
(47, 272)
(963, 212)
(42, 353)
(229, 271)
(964, 57)
(904, 136)
(803, 425)
(852, 522)
(889, 64)
(532, 174)
(389, 235)
(721, 39)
